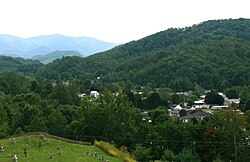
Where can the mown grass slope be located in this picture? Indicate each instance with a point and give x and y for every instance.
(69, 152)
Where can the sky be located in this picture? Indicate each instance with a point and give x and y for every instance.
(117, 21)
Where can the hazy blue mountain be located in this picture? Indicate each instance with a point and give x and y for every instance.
(41, 45)
(55, 55)
(14, 46)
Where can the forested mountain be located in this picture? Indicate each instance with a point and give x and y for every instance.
(213, 54)
(14, 46)
(41, 45)
(55, 98)
(19, 65)
(55, 55)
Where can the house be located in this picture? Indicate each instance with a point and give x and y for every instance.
(94, 94)
(199, 115)
(226, 102)
(178, 107)
(81, 95)
(219, 107)
(234, 101)
(200, 104)
(174, 113)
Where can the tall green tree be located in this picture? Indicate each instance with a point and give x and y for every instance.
(37, 125)
(61, 93)
(110, 117)
(153, 100)
(230, 136)
(187, 155)
(56, 123)
(168, 155)
(214, 98)
(142, 154)
(4, 122)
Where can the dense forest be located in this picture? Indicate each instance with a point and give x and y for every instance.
(212, 55)
(45, 59)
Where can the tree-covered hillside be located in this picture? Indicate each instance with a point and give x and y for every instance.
(213, 54)
(19, 65)
(55, 55)
(55, 98)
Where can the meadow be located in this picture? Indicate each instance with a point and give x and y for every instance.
(68, 152)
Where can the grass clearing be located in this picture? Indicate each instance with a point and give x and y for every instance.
(69, 152)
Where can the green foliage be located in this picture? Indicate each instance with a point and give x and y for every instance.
(165, 94)
(111, 150)
(247, 105)
(213, 55)
(232, 92)
(175, 98)
(142, 154)
(61, 93)
(12, 83)
(110, 117)
(37, 125)
(45, 59)
(87, 84)
(153, 100)
(214, 98)
(4, 122)
(168, 155)
(187, 155)
(158, 115)
(218, 159)
(181, 84)
(19, 64)
(229, 133)
(19, 131)
(56, 123)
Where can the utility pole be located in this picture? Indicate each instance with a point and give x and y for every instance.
(235, 148)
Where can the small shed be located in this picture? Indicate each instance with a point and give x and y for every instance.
(94, 94)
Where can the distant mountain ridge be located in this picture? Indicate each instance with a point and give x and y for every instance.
(45, 59)
(214, 55)
(41, 45)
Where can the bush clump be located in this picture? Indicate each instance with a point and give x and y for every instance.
(111, 150)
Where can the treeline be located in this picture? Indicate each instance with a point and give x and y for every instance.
(214, 55)
(211, 55)
(57, 109)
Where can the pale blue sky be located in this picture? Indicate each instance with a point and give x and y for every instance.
(116, 21)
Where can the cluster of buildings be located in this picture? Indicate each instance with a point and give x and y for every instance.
(199, 110)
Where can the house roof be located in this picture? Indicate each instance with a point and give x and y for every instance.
(197, 115)
(178, 107)
(199, 102)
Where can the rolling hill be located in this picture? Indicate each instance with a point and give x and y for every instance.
(19, 64)
(69, 151)
(213, 54)
(41, 45)
(55, 55)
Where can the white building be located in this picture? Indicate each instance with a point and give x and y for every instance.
(94, 94)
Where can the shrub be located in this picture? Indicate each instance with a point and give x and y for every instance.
(111, 150)
(168, 155)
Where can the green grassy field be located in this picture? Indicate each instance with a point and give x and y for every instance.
(69, 152)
